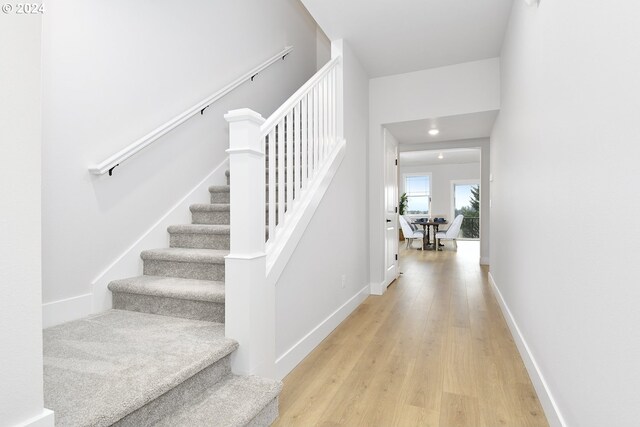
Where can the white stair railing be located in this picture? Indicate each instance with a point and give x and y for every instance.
(298, 137)
(277, 167)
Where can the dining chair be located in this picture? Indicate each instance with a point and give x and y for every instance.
(451, 233)
(409, 233)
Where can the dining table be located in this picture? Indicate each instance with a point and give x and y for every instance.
(427, 225)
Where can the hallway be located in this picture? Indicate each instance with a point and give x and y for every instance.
(433, 351)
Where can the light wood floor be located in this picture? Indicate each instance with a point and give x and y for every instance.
(433, 351)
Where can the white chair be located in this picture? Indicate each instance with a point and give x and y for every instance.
(451, 233)
(409, 232)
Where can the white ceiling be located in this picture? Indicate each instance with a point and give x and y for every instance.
(452, 128)
(393, 37)
(430, 157)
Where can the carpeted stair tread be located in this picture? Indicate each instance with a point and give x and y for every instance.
(171, 287)
(216, 207)
(205, 256)
(235, 401)
(199, 229)
(99, 369)
(219, 189)
(210, 207)
(226, 188)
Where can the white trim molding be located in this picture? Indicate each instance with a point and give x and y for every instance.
(45, 419)
(65, 310)
(292, 357)
(484, 260)
(551, 410)
(377, 288)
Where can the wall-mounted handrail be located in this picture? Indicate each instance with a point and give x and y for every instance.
(115, 160)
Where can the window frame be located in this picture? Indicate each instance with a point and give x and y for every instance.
(430, 195)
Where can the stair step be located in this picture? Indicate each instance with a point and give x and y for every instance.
(199, 236)
(218, 189)
(219, 193)
(216, 213)
(130, 368)
(169, 296)
(235, 401)
(187, 263)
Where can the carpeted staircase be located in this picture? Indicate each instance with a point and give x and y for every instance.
(160, 357)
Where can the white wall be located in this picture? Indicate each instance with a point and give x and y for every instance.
(323, 48)
(470, 87)
(442, 176)
(458, 89)
(114, 71)
(564, 239)
(310, 299)
(21, 397)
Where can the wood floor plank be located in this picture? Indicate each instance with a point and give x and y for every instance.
(460, 376)
(434, 350)
(459, 411)
(312, 385)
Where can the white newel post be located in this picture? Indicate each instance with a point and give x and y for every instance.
(249, 302)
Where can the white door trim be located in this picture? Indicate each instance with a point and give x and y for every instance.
(391, 273)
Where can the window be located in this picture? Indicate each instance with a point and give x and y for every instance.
(418, 189)
(466, 201)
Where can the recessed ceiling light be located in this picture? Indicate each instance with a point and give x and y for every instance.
(440, 156)
(433, 132)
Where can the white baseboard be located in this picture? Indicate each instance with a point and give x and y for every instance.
(128, 263)
(377, 288)
(484, 260)
(45, 419)
(66, 310)
(551, 410)
(300, 350)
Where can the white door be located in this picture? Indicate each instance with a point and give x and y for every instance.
(391, 208)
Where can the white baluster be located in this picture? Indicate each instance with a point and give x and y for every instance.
(335, 105)
(316, 135)
(321, 122)
(296, 151)
(289, 171)
(279, 172)
(272, 184)
(331, 109)
(303, 128)
(327, 102)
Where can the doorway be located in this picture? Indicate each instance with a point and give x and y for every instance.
(441, 184)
